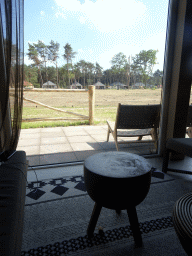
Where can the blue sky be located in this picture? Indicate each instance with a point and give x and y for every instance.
(98, 29)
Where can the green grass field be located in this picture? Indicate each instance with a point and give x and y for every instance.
(101, 114)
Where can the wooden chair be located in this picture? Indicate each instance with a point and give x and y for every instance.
(144, 118)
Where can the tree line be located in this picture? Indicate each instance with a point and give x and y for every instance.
(126, 71)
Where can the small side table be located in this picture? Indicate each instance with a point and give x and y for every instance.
(119, 181)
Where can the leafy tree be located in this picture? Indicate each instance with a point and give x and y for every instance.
(63, 76)
(77, 71)
(82, 67)
(50, 73)
(34, 56)
(68, 56)
(98, 71)
(90, 68)
(43, 54)
(108, 76)
(144, 63)
(119, 61)
(86, 72)
(53, 54)
(158, 77)
(34, 78)
(30, 75)
(128, 71)
(119, 67)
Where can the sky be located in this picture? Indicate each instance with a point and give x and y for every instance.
(98, 29)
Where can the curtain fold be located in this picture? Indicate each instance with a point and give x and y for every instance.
(11, 72)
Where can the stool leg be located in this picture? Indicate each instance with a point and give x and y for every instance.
(132, 214)
(118, 211)
(93, 220)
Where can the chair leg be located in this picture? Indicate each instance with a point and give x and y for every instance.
(116, 144)
(93, 220)
(118, 211)
(108, 132)
(165, 161)
(133, 219)
(115, 139)
(154, 137)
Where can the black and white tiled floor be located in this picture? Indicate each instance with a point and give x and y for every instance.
(60, 183)
(54, 183)
(54, 189)
(50, 184)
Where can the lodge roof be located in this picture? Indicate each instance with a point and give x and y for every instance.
(49, 83)
(99, 84)
(76, 84)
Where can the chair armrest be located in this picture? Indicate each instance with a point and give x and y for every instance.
(111, 125)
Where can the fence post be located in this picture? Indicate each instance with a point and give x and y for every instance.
(91, 103)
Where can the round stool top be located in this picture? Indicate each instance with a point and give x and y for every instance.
(117, 164)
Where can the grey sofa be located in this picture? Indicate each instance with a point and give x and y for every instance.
(12, 201)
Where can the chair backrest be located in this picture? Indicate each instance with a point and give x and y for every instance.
(137, 116)
(189, 117)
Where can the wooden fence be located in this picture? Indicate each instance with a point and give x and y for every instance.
(90, 117)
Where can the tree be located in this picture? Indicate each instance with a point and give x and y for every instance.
(27, 73)
(128, 71)
(51, 73)
(98, 71)
(107, 76)
(77, 71)
(119, 66)
(68, 56)
(82, 67)
(63, 75)
(158, 77)
(91, 68)
(144, 63)
(119, 61)
(43, 54)
(30, 75)
(53, 55)
(33, 55)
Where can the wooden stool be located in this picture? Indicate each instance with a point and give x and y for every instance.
(119, 181)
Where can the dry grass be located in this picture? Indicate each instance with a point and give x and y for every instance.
(106, 102)
(103, 98)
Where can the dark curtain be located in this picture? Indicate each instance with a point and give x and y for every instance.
(11, 71)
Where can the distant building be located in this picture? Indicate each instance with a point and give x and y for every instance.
(76, 86)
(150, 85)
(27, 84)
(49, 85)
(99, 85)
(118, 85)
(138, 85)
